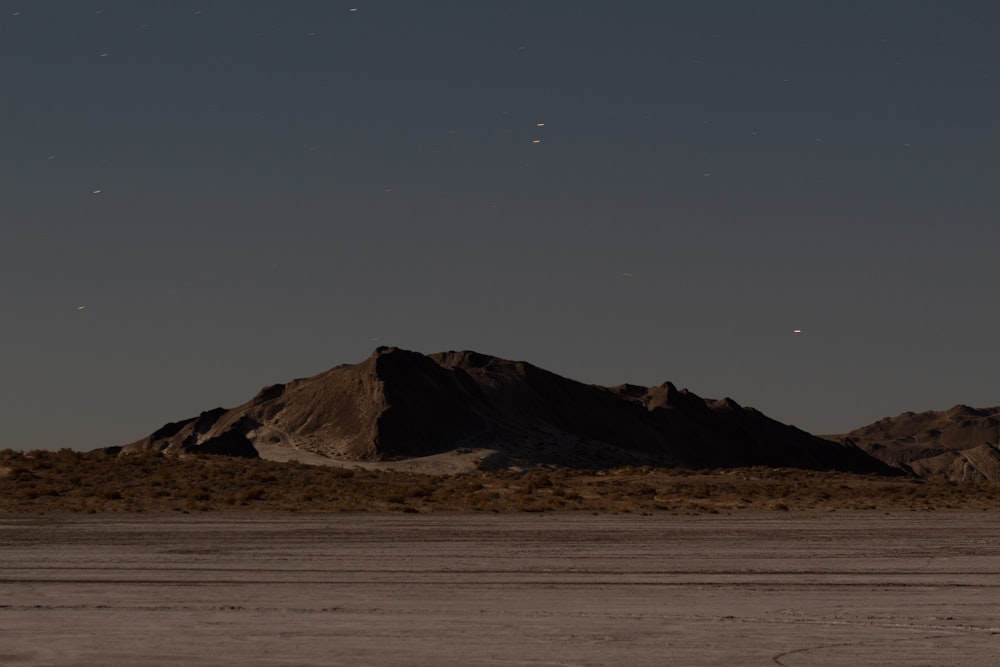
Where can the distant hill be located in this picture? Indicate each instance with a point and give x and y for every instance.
(398, 404)
(960, 443)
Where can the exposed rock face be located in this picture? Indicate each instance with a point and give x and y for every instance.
(399, 404)
(201, 434)
(960, 443)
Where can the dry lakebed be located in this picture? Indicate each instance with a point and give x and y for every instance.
(748, 588)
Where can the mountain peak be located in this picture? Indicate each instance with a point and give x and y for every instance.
(400, 403)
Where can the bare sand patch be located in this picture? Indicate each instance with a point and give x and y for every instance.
(454, 462)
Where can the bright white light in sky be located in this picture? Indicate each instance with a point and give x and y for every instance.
(796, 330)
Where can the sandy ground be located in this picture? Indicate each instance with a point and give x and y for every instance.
(448, 463)
(468, 589)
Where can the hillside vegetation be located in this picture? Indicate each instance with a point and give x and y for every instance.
(66, 480)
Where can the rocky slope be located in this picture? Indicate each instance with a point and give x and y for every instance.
(399, 404)
(960, 443)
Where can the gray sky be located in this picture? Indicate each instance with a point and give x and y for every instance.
(201, 198)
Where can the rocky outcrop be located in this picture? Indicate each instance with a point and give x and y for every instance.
(959, 443)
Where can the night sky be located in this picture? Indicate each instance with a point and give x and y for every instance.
(198, 199)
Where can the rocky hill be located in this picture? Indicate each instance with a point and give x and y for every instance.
(399, 404)
(960, 443)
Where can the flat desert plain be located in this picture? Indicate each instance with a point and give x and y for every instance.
(751, 588)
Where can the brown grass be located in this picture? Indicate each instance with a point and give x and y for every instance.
(45, 481)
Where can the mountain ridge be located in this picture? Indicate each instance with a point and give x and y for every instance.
(960, 443)
(398, 404)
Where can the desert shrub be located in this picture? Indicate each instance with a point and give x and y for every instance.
(251, 494)
(527, 489)
(94, 481)
(421, 491)
(702, 491)
(21, 473)
(532, 506)
(540, 479)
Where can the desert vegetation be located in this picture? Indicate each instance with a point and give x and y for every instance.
(67, 480)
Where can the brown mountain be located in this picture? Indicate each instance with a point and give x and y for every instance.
(399, 404)
(960, 443)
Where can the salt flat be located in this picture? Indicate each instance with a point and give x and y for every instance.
(750, 588)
